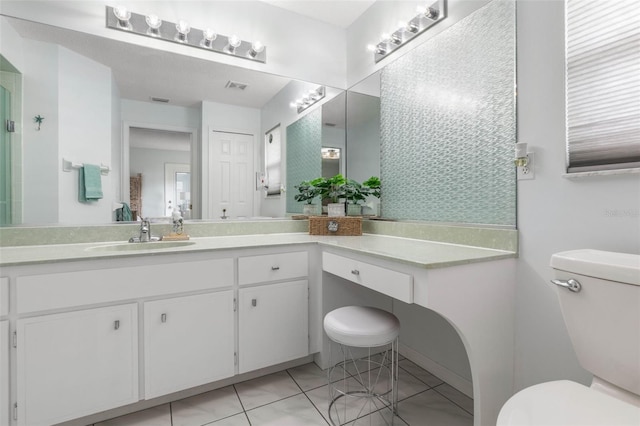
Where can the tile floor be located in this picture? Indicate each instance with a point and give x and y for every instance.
(299, 397)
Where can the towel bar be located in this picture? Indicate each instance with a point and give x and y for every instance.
(67, 166)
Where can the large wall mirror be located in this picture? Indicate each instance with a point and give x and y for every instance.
(437, 124)
(150, 113)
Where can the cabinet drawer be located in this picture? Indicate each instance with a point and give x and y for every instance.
(272, 267)
(386, 281)
(68, 289)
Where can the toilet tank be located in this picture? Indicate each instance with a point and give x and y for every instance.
(603, 318)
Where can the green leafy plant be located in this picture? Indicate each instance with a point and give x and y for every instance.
(354, 192)
(307, 192)
(330, 188)
(371, 186)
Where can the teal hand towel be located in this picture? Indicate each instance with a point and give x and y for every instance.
(90, 183)
(124, 214)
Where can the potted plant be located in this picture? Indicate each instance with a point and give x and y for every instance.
(354, 193)
(332, 189)
(371, 187)
(307, 193)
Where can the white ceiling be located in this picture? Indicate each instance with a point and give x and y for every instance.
(341, 13)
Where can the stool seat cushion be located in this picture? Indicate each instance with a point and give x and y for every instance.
(361, 326)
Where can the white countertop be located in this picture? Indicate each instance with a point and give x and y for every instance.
(421, 253)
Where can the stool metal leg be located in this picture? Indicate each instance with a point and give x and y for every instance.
(388, 396)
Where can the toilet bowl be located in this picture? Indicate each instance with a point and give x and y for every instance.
(599, 293)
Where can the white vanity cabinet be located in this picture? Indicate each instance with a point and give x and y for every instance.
(273, 309)
(188, 341)
(4, 373)
(77, 363)
(273, 324)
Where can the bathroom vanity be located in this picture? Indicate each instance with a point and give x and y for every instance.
(178, 318)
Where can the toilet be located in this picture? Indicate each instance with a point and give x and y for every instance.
(599, 293)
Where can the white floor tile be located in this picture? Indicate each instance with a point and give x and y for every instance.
(420, 373)
(345, 409)
(456, 396)
(408, 385)
(293, 411)
(309, 376)
(205, 408)
(431, 408)
(156, 416)
(378, 418)
(266, 389)
(237, 420)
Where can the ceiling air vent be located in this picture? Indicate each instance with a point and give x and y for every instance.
(162, 100)
(236, 85)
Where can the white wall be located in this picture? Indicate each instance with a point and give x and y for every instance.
(295, 44)
(234, 119)
(40, 148)
(84, 134)
(555, 213)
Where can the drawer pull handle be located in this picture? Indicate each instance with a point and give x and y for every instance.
(275, 268)
(355, 272)
(116, 324)
(254, 302)
(163, 317)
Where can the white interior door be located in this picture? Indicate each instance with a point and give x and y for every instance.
(231, 175)
(177, 188)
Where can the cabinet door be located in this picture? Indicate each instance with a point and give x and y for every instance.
(4, 373)
(78, 363)
(273, 322)
(188, 341)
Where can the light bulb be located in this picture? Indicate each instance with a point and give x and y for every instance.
(385, 37)
(234, 41)
(428, 12)
(122, 15)
(256, 48)
(183, 29)
(208, 36)
(154, 24)
(403, 26)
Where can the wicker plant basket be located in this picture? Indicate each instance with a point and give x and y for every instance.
(324, 225)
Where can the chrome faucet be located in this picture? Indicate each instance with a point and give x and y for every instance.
(145, 231)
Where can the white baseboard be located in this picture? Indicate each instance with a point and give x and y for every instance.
(460, 383)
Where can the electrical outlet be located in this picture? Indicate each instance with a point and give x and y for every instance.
(527, 172)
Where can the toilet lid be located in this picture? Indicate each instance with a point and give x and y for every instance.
(566, 403)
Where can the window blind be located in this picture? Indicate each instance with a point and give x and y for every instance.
(603, 84)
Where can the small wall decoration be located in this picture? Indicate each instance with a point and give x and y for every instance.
(38, 119)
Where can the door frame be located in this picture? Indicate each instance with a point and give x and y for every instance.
(196, 196)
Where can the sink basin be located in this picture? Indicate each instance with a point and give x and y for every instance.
(155, 245)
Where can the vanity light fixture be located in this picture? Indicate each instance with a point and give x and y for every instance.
(427, 17)
(120, 18)
(312, 97)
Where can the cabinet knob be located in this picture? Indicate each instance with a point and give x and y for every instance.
(275, 268)
(355, 272)
(163, 318)
(116, 324)
(254, 302)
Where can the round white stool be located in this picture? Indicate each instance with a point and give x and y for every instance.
(371, 385)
